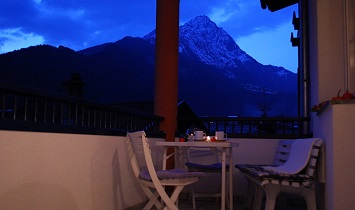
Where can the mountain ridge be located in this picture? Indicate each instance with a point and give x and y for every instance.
(216, 77)
(210, 44)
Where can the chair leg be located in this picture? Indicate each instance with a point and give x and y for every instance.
(249, 197)
(153, 198)
(170, 203)
(310, 197)
(271, 191)
(193, 197)
(258, 197)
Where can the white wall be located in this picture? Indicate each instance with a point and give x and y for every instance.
(41, 171)
(337, 127)
(328, 74)
(327, 49)
(65, 171)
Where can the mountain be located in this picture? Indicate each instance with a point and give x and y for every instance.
(216, 77)
(226, 77)
(201, 39)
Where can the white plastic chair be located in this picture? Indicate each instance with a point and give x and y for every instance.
(273, 183)
(213, 168)
(153, 181)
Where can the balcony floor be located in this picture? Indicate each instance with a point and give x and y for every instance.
(284, 202)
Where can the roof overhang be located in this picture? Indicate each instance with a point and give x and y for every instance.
(274, 5)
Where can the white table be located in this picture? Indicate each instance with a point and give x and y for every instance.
(221, 149)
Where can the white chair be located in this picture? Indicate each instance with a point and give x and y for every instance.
(213, 168)
(271, 182)
(153, 181)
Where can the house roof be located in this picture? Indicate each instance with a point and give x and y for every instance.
(184, 109)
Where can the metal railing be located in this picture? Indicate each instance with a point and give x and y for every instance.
(249, 127)
(23, 108)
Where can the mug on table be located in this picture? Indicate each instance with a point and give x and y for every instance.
(220, 135)
(199, 135)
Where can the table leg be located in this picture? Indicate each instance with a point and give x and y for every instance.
(230, 178)
(165, 157)
(223, 191)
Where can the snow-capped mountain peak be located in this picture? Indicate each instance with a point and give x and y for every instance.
(202, 40)
(211, 44)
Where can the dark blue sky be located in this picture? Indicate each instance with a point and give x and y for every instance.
(79, 24)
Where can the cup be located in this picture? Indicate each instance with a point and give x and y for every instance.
(199, 135)
(220, 135)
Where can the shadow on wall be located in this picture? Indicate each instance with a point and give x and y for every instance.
(117, 190)
(106, 181)
(39, 196)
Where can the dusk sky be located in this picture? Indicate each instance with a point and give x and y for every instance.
(79, 24)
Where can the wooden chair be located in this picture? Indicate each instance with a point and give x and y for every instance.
(266, 179)
(213, 168)
(153, 181)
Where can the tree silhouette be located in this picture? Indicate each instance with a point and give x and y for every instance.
(264, 106)
(264, 126)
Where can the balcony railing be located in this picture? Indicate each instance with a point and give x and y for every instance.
(249, 127)
(23, 108)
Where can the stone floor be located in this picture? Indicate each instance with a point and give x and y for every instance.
(284, 202)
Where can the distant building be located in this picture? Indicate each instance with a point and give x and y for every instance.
(74, 86)
(185, 114)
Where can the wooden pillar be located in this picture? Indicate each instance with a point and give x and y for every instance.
(166, 67)
(166, 70)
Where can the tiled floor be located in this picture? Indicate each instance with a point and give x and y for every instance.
(284, 202)
(206, 204)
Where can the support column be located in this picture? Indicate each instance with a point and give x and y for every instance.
(166, 70)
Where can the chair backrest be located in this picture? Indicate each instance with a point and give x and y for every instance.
(202, 155)
(313, 162)
(138, 147)
(136, 152)
(283, 151)
(140, 154)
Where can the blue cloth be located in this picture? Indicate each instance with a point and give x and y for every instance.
(215, 167)
(259, 172)
(171, 174)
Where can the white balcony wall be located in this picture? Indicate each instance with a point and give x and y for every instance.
(336, 126)
(330, 71)
(65, 171)
(41, 171)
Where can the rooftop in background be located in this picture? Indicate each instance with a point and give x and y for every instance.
(184, 109)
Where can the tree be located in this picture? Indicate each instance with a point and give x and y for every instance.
(264, 106)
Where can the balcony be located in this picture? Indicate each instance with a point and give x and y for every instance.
(68, 153)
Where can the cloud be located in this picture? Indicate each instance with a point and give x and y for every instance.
(76, 24)
(271, 47)
(250, 18)
(226, 10)
(11, 39)
(220, 15)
